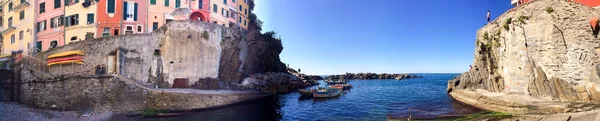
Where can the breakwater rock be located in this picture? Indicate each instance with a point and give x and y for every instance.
(371, 76)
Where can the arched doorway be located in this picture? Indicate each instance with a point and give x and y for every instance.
(198, 16)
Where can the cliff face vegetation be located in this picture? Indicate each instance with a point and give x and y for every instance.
(545, 49)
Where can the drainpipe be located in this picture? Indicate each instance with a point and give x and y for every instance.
(64, 22)
(147, 16)
(34, 27)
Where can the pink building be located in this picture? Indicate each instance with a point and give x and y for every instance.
(50, 29)
(233, 10)
(134, 18)
(200, 10)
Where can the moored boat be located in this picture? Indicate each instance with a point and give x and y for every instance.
(308, 93)
(335, 82)
(337, 86)
(327, 92)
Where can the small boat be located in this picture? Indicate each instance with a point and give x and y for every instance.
(337, 86)
(346, 86)
(59, 59)
(5, 56)
(327, 92)
(398, 78)
(308, 93)
(67, 53)
(67, 62)
(335, 82)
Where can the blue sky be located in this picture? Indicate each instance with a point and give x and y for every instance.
(382, 36)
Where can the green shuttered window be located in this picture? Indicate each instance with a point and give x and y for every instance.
(111, 6)
(135, 11)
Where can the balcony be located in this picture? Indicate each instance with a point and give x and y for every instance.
(24, 4)
(8, 29)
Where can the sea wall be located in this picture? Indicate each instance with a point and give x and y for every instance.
(115, 93)
(545, 49)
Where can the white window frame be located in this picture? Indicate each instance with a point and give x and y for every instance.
(125, 30)
(139, 30)
(106, 30)
(130, 10)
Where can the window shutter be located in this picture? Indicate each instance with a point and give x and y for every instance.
(200, 4)
(66, 2)
(68, 22)
(111, 6)
(124, 10)
(135, 11)
(56, 3)
(90, 18)
(153, 2)
(177, 3)
(167, 3)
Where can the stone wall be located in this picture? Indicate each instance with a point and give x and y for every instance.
(105, 93)
(181, 49)
(97, 93)
(545, 48)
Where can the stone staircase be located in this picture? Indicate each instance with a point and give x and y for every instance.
(35, 63)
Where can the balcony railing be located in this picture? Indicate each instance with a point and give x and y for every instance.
(8, 29)
(24, 3)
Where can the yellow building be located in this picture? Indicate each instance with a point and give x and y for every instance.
(79, 21)
(219, 12)
(243, 13)
(17, 23)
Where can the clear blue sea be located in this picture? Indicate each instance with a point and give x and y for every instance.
(369, 100)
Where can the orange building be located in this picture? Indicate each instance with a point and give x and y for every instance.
(109, 13)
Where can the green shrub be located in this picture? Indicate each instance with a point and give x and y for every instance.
(205, 34)
(496, 42)
(498, 32)
(485, 36)
(549, 9)
(506, 23)
(522, 19)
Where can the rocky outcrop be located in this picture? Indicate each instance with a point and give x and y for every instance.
(371, 76)
(545, 49)
(274, 82)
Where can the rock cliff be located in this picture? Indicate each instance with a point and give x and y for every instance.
(545, 49)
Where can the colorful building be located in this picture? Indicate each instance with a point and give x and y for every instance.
(159, 10)
(39, 25)
(109, 15)
(219, 12)
(200, 10)
(243, 13)
(232, 13)
(80, 19)
(49, 25)
(134, 16)
(2, 2)
(18, 22)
